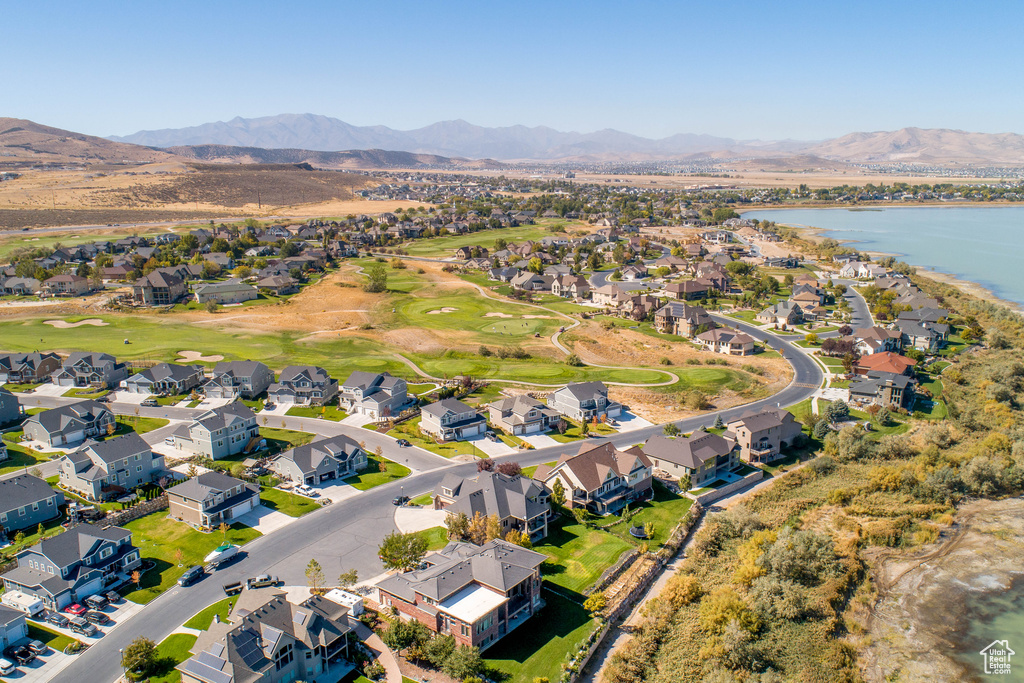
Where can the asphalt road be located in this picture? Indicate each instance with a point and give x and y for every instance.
(346, 535)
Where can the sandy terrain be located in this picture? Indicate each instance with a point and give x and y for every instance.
(64, 324)
(439, 311)
(496, 314)
(194, 356)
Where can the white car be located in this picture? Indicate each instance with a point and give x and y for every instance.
(307, 491)
(6, 667)
(169, 441)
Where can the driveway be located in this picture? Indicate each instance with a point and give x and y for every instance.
(494, 449)
(628, 422)
(357, 420)
(264, 520)
(50, 390)
(337, 491)
(410, 519)
(539, 440)
(44, 668)
(280, 409)
(833, 394)
(211, 403)
(129, 397)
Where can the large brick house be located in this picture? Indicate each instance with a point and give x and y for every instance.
(477, 594)
(682, 319)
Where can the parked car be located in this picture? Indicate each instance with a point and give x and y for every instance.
(81, 626)
(20, 654)
(6, 667)
(97, 618)
(57, 619)
(150, 403)
(113, 597)
(269, 406)
(75, 609)
(491, 435)
(95, 602)
(307, 491)
(191, 575)
(403, 443)
(400, 500)
(38, 647)
(169, 441)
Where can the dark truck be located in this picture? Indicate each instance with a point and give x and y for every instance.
(233, 588)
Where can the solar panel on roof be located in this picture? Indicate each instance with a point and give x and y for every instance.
(248, 650)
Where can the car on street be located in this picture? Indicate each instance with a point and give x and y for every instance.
(191, 575)
(75, 609)
(19, 654)
(97, 618)
(262, 581)
(57, 619)
(6, 667)
(400, 501)
(38, 647)
(150, 403)
(403, 443)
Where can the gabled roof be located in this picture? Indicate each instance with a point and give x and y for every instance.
(312, 373)
(494, 493)
(167, 371)
(595, 461)
(78, 542)
(448, 405)
(309, 456)
(585, 391)
(205, 486)
(691, 452)
(238, 368)
(759, 420)
(23, 490)
(112, 450)
(886, 361)
(224, 416)
(67, 416)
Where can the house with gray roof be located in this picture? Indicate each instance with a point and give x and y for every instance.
(13, 627)
(451, 420)
(207, 500)
(266, 638)
(702, 456)
(88, 369)
(583, 401)
(159, 289)
(682, 319)
(763, 434)
(69, 424)
(10, 407)
(520, 503)
(67, 568)
(28, 368)
(476, 594)
(107, 469)
(887, 389)
(219, 432)
(782, 313)
(231, 291)
(21, 286)
(922, 335)
(238, 379)
(26, 502)
(329, 459)
(375, 395)
(303, 385)
(522, 415)
(165, 379)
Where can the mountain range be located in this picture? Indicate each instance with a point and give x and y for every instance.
(462, 139)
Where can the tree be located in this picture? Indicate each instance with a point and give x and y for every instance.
(402, 551)
(811, 338)
(595, 603)
(457, 525)
(485, 465)
(685, 483)
(19, 537)
(718, 422)
(348, 579)
(477, 531)
(224, 530)
(558, 493)
(520, 538)
(212, 306)
(136, 578)
(179, 555)
(670, 429)
(140, 656)
(376, 279)
(437, 650)
(463, 662)
(493, 529)
(314, 577)
(723, 214)
(535, 265)
(192, 471)
(837, 411)
(510, 468)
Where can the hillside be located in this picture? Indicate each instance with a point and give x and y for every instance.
(925, 146)
(25, 142)
(353, 159)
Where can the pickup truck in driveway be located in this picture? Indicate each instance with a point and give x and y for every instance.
(262, 581)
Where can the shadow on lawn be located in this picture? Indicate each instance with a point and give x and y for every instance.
(555, 621)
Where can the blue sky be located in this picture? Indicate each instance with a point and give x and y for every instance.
(769, 70)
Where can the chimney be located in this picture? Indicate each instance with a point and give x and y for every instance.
(216, 618)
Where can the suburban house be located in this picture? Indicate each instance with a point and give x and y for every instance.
(279, 285)
(726, 341)
(519, 502)
(583, 401)
(266, 638)
(375, 395)
(531, 282)
(570, 286)
(687, 290)
(218, 433)
(303, 385)
(782, 313)
(87, 369)
(238, 379)
(876, 339)
(762, 435)
(609, 295)
(329, 459)
(702, 456)
(109, 469)
(231, 291)
(28, 368)
(159, 289)
(69, 424)
(681, 319)
(207, 500)
(66, 285)
(884, 389)
(66, 568)
(165, 379)
(522, 415)
(885, 361)
(600, 477)
(13, 627)
(477, 594)
(10, 407)
(26, 502)
(451, 420)
(21, 286)
(923, 336)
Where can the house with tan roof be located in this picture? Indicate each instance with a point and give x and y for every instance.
(763, 434)
(702, 456)
(522, 415)
(725, 341)
(600, 477)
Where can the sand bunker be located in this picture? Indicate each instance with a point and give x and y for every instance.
(191, 356)
(530, 317)
(64, 324)
(438, 311)
(495, 314)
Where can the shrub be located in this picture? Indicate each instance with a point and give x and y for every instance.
(484, 351)
(665, 361)
(573, 360)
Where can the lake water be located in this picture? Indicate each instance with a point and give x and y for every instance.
(990, 617)
(979, 244)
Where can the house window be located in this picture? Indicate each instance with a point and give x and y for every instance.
(106, 552)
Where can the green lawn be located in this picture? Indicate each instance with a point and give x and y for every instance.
(32, 536)
(45, 635)
(278, 440)
(446, 245)
(540, 646)
(665, 511)
(373, 476)
(426, 500)
(141, 425)
(19, 457)
(169, 653)
(410, 430)
(203, 619)
(21, 388)
(328, 412)
(802, 410)
(86, 392)
(420, 389)
(578, 555)
(288, 503)
(170, 400)
(437, 537)
(157, 537)
(575, 432)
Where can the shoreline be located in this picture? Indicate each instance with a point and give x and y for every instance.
(970, 287)
(870, 206)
